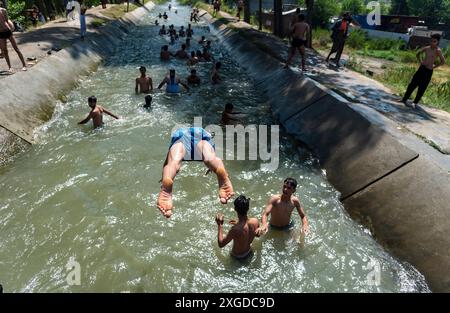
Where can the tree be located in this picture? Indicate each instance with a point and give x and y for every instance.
(399, 7)
(434, 10)
(353, 6)
(323, 10)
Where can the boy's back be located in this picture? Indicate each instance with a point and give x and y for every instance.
(244, 233)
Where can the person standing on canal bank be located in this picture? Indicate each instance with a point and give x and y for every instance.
(339, 35)
(96, 113)
(191, 144)
(243, 231)
(280, 208)
(300, 31)
(144, 82)
(83, 10)
(6, 32)
(422, 77)
(240, 8)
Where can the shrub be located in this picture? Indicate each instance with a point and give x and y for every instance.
(357, 39)
(15, 12)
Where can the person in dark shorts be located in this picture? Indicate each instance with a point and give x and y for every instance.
(422, 77)
(300, 32)
(6, 32)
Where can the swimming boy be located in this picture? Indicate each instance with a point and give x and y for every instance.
(215, 77)
(228, 116)
(173, 83)
(422, 77)
(165, 54)
(191, 144)
(193, 79)
(96, 113)
(243, 231)
(144, 82)
(280, 208)
(193, 59)
(205, 55)
(189, 31)
(148, 102)
(300, 31)
(181, 54)
(162, 31)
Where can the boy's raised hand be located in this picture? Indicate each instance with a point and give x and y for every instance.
(219, 219)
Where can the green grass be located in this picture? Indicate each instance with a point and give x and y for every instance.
(119, 10)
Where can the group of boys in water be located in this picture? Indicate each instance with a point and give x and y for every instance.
(196, 144)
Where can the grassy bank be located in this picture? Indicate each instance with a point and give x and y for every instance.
(398, 64)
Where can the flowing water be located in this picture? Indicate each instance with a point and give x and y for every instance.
(90, 195)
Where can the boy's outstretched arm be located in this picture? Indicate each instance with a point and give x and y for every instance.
(222, 242)
(86, 119)
(111, 114)
(265, 216)
(305, 224)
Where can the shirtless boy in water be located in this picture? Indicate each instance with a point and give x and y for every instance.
(143, 82)
(243, 231)
(281, 207)
(96, 113)
(191, 144)
(300, 32)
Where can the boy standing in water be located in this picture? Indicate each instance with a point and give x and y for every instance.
(143, 82)
(281, 207)
(215, 77)
(300, 31)
(96, 113)
(243, 231)
(193, 79)
(172, 83)
(228, 116)
(422, 77)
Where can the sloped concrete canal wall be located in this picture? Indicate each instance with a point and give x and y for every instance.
(401, 194)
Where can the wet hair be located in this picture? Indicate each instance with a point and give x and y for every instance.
(241, 205)
(148, 100)
(199, 53)
(182, 27)
(142, 68)
(436, 36)
(203, 37)
(291, 181)
(165, 47)
(92, 99)
(301, 17)
(193, 71)
(218, 65)
(229, 106)
(183, 46)
(192, 54)
(208, 42)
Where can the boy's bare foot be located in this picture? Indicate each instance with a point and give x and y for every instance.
(225, 186)
(164, 203)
